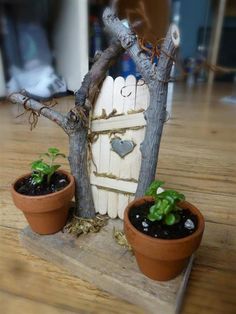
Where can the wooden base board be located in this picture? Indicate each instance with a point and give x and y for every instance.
(98, 259)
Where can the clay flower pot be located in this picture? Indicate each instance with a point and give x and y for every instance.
(46, 214)
(162, 259)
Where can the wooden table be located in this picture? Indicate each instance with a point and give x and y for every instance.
(197, 157)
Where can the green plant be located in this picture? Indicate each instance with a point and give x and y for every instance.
(41, 169)
(165, 208)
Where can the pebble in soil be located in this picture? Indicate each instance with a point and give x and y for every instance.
(58, 182)
(186, 226)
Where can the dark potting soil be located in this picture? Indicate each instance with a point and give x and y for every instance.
(58, 182)
(156, 229)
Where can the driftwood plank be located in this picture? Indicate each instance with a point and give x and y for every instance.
(97, 259)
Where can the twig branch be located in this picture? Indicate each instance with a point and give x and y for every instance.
(129, 42)
(93, 79)
(167, 55)
(36, 106)
(155, 114)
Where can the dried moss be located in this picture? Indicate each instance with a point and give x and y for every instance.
(106, 116)
(77, 225)
(120, 238)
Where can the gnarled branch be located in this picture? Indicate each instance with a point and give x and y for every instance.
(156, 111)
(93, 79)
(129, 42)
(36, 106)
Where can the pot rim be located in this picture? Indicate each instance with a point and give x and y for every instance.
(31, 197)
(198, 232)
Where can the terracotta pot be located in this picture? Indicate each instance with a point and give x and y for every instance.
(162, 259)
(46, 214)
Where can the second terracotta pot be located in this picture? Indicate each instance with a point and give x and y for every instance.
(162, 259)
(46, 214)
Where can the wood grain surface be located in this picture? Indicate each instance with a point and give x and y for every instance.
(97, 259)
(197, 157)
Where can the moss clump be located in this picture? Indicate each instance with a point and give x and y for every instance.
(77, 225)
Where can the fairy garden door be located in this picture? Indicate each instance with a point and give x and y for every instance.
(117, 129)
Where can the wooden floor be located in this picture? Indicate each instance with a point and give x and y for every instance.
(197, 157)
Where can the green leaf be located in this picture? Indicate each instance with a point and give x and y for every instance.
(40, 166)
(152, 209)
(61, 155)
(159, 212)
(170, 219)
(158, 216)
(151, 217)
(44, 168)
(168, 209)
(154, 217)
(181, 197)
(164, 204)
(152, 189)
(35, 163)
(55, 167)
(170, 199)
(45, 154)
(53, 150)
(37, 178)
(176, 196)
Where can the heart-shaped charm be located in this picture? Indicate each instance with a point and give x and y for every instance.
(122, 147)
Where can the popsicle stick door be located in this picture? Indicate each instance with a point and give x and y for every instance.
(118, 128)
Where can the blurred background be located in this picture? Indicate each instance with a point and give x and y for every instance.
(74, 32)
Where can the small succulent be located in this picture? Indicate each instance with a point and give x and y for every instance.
(165, 208)
(41, 169)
